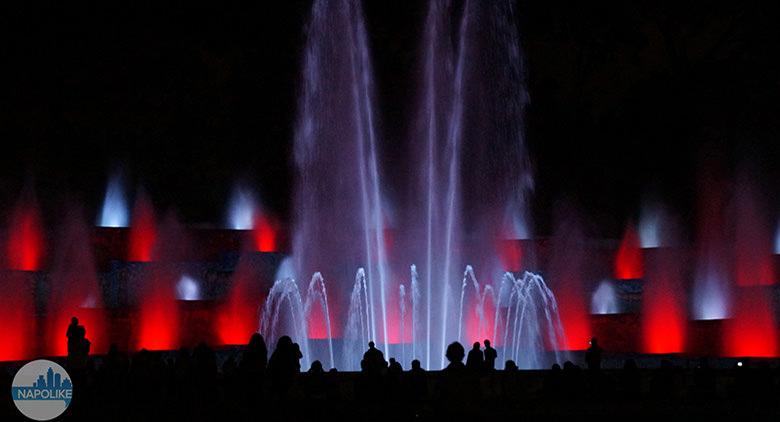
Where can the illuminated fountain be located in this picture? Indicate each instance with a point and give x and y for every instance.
(114, 212)
(342, 194)
(604, 300)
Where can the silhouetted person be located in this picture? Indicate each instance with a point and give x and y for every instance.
(593, 354)
(316, 368)
(417, 382)
(373, 359)
(394, 368)
(455, 353)
(283, 365)
(490, 356)
(297, 356)
(255, 357)
(475, 360)
(78, 345)
(510, 366)
(315, 384)
(72, 335)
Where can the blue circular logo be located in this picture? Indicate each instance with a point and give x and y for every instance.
(41, 390)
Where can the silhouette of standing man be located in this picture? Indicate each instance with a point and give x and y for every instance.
(475, 360)
(72, 334)
(490, 356)
(593, 354)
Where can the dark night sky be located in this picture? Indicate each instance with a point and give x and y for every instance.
(626, 99)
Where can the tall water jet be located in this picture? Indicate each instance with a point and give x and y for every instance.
(472, 89)
(568, 265)
(664, 302)
(338, 216)
(712, 282)
(143, 231)
(25, 239)
(439, 115)
(238, 317)
(158, 311)
(604, 299)
(629, 263)
(115, 212)
(74, 289)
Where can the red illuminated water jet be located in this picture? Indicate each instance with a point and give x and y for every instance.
(567, 269)
(143, 231)
(663, 303)
(158, 315)
(628, 259)
(265, 233)
(25, 243)
(74, 290)
(158, 309)
(239, 315)
(752, 331)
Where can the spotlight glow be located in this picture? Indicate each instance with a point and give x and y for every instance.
(115, 211)
(604, 300)
(187, 289)
(650, 228)
(242, 209)
(711, 296)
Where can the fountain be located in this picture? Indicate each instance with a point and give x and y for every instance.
(341, 194)
(114, 212)
(604, 300)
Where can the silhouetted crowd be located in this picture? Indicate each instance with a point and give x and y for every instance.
(248, 385)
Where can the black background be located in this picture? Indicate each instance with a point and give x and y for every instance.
(628, 100)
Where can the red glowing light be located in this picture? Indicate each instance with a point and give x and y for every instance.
(143, 232)
(17, 316)
(158, 313)
(628, 260)
(239, 316)
(575, 321)
(158, 322)
(265, 234)
(25, 241)
(663, 304)
(753, 329)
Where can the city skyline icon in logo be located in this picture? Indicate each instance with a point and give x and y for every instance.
(42, 390)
